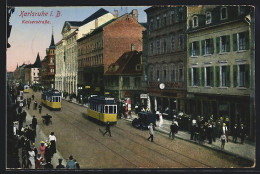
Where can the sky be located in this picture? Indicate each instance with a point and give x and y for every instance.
(27, 40)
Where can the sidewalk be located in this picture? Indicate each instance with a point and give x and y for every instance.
(41, 136)
(246, 150)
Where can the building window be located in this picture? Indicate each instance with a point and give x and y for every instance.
(223, 75)
(180, 13)
(242, 75)
(208, 76)
(137, 81)
(158, 22)
(158, 46)
(195, 48)
(241, 41)
(165, 73)
(172, 72)
(172, 42)
(208, 46)
(165, 19)
(164, 45)
(151, 73)
(208, 17)
(223, 44)
(242, 10)
(158, 73)
(195, 21)
(180, 72)
(151, 48)
(195, 77)
(181, 38)
(223, 13)
(172, 16)
(151, 24)
(126, 81)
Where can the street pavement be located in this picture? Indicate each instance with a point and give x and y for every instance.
(246, 150)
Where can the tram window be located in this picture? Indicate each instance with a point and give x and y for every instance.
(110, 109)
(106, 109)
(115, 110)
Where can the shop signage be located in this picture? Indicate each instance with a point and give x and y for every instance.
(143, 96)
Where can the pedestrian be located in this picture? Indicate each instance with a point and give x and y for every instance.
(34, 122)
(38, 161)
(52, 140)
(33, 97)
(28, 105)
(214, 131)
(71, 164)
(171, 135)
(235, 133)
(20, 110)
(48, 165)
(42, 149)
(242, 133)
(193, 127)
(24, 114)
(225, 131)
(32, 158)
(25, 158)
(160, 119)
(48, 153)
(108, 129)
(150, 127)
(35, 105)
(60, 165)
(209, 131)
(34, 149)
(77, 164)
(223, 140)
(40, 109)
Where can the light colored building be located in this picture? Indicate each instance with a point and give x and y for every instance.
(35, 71)
(66, 65)
(219, 64)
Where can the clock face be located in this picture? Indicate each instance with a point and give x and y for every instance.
(162, 86)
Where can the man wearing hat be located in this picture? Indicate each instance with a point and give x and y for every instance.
(71, 163)
(108, 129)
(60, 165)
(150, 127)
(225, 131)
(48, 153)
(242, 133)
(235, 133)
(52, 139)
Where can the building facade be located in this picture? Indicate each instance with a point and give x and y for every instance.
(35, 71)
(66, 76)
(219, 64)
(48, 66)
(166, 59)
(103, 46)
(123, 79)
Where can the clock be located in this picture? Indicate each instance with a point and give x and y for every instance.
(162, 86)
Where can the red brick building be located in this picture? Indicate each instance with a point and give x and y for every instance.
(103, 46)
(47, 74)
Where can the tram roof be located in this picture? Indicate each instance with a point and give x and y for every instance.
(102, 100)
(52, 92)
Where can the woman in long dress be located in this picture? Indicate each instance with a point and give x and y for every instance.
(32, 158)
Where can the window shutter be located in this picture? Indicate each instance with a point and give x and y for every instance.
(228, 43)
(235, 75)
(190, 47)
(217, 76)
(212, 76)
(247, 75)
(202, 76)
(247, 40)
(190, 76)
(212, 45)
(228, 76)
(198, 48)
(218, 44)
(203, 47)
(198, 75)
(234, 42)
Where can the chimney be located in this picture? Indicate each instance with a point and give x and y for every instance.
(135, 14)
(96, 23)
(116, 14)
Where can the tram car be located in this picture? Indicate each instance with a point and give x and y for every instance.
(26, 89)
(51, 99)
(102, 109)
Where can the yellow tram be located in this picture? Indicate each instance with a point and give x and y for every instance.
(102, 108)
(26, 89)
(51, 99)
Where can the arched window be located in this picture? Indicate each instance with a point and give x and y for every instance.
(180, 72)
(150, 78)
(165, 73)
(172, 73)
(158, 68)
